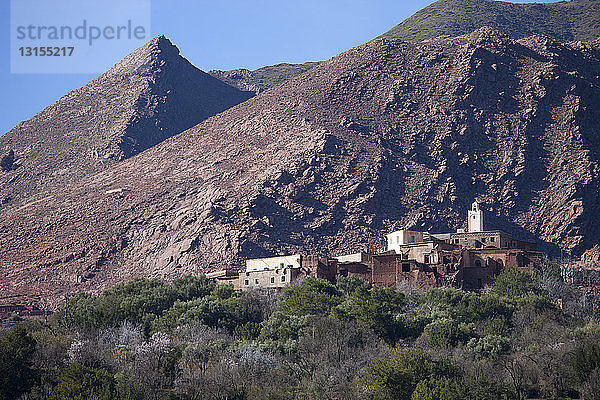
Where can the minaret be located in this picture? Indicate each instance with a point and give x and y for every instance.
(475, 218)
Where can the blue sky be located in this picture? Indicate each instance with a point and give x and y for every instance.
(221, 35)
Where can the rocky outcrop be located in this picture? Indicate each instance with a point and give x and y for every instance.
(389, 134)
(147, 97)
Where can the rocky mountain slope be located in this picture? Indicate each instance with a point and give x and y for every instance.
(390, 134)
(150, 95)
(563, 20)
(262, 78)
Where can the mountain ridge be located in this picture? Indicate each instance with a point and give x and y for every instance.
(576, 20)
(566, 21)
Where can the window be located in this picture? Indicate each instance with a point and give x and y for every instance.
(272, 279)
(482, 240)
(246, 282)
(492, 239)
(282, 278)
(426, 259)
(256, 281)
(456, 241)
(405, 267)
(281, 265)
(412, 238)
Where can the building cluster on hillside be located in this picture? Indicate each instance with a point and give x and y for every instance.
(464, 259)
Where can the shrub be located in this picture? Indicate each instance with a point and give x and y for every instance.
(397, 377)
(586, 358)
(436, 389)
(490, 346)
(79, 382)
(447, 332)
(17, 375)
(7, 163)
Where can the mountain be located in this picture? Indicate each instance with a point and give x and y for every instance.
(564, 20)
(263, 78)
(150, 95)
(386, 135)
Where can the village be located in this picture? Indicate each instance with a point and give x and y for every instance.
(467, 260)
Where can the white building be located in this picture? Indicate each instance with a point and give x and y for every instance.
(475, 218)
(402, 237)
(271, 263)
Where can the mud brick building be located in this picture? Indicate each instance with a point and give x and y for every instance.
(468, 260)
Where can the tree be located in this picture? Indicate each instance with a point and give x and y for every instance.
(79, 382)
(436, 389)
(397, 377)
(513, 283)
(17, 375)
(312, 296)
(379, 307)
(490, 346)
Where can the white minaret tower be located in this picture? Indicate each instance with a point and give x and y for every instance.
(475, 218)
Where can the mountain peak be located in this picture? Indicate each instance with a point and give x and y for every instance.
(142, 60)
(149, 96)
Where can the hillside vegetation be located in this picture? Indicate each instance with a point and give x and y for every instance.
(194, 339)
(263, 78)
(564, 20)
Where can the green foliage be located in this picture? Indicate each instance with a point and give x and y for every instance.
(513, 283)
(249, 331)
(396, 377)
(223, 308)
(282, 331)
(17, 375)
(349, 284)
(140, 301)
(79, 382)
(566, 21)
(447, 332)
(310, 297)
(468, 306)
(490, 346)
(380, 308)
(272, 75)
(482, 388)
(316, 340)
(436, 389)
